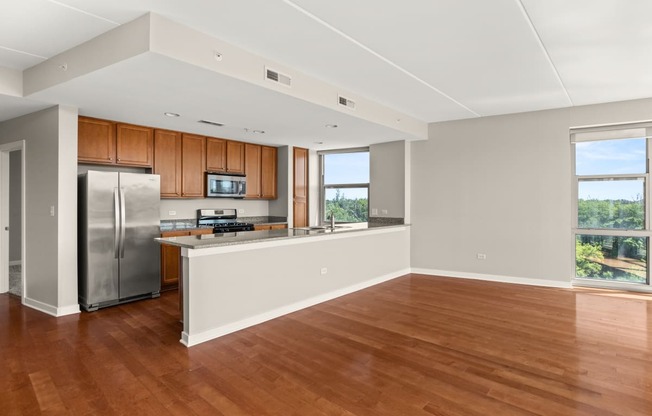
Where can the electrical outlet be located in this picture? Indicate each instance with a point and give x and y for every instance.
(324, 270)
(374, 211)
(482, 256)
(384, 212)
(241, 211)
(171, 213)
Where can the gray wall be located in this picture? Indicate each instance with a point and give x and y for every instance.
(387, 179)
(15, 179)
(50, 258)
(501, 186)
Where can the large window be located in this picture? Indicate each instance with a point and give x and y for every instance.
(345, 185)
(611, 215)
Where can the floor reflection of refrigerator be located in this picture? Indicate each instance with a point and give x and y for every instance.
(119, 217)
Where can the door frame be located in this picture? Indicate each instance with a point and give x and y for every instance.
(5, 149)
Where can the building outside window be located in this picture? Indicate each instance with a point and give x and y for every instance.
(344, 185)
(611, 221)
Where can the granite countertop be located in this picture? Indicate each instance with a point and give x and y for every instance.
(247, 237)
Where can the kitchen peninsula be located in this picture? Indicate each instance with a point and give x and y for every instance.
(236, 280)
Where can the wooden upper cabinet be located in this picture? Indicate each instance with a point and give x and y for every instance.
(96, 141)
(134, 145)
(252, 170)
(167, 162)
(268, 172)
(235, 157)
(193, 165)
(215, 155)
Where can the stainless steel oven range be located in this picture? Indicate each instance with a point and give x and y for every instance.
(222, 220)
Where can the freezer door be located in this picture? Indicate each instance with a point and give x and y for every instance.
(139, 253)
(98, 260)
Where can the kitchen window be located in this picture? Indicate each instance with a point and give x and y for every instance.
(611, 213)
(344, 185)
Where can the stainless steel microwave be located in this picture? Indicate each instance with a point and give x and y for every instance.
(225, 186)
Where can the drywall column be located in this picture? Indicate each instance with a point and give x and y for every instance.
(50, 257)
(387, 180)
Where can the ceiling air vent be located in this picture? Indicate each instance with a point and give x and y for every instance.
(346, 102)
(277, 77)
(212, 123)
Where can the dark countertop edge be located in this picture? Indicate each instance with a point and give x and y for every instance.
(266, 239)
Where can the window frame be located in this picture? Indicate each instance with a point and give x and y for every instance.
(614, 132)
(323, 187)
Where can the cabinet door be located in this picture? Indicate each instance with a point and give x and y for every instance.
(262, 227)
(300, 187)
(235, 157)
(167, 162)
(268, 172)
(252, 170)
(200, 231)
(215, 155)
(95, 141)
(193, 162)
(171, 261)
(278, 226)
(134, 145)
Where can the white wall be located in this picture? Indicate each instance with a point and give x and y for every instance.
(502, 186)
(387, 179)
(50, 257)
(15, 179)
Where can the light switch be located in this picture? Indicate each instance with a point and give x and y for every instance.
(52, 210)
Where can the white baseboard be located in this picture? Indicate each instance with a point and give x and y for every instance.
(194, 339)
(495, 278)
(49, 309)
(15, 262)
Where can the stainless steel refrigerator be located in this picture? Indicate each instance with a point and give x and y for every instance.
(119, 217)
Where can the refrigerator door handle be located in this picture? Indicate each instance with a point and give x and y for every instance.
(116, 224)
(123, 227)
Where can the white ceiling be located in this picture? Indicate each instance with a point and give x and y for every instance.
(433, 60)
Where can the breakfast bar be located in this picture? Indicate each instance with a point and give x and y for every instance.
(235, 280)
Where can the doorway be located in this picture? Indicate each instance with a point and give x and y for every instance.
(12, 219)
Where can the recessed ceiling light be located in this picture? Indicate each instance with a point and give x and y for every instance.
(259, 131)
(319, 142)
(171, 114)
(331, 126)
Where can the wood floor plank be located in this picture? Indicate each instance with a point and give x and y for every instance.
(417, 345)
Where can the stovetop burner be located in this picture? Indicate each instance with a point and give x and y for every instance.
(222, 220)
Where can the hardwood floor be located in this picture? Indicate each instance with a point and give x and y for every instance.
(416, 345)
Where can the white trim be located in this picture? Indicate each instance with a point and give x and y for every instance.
(191, 340)
(612, 285)
(5, 149)
(495, 278)
(51, 310)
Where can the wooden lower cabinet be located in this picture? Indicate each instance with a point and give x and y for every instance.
(261, 227)
(171, 258)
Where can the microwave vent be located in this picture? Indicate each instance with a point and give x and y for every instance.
(212, 123)
(277, 77)
(346, 102)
